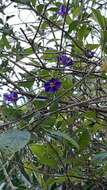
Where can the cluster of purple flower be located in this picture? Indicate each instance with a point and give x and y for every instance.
(63, 10)
(10, 97)
(65, 60)
(52, 85)
(90, 54)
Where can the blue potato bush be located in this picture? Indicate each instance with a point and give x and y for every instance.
(53, 103)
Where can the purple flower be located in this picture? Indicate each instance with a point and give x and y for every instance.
(65, 60)
(52, 85)
(90, 54)
(63, 10)
(10, 97)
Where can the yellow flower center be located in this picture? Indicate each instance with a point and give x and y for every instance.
(52, 84)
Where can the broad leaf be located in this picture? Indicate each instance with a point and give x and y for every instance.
(66, 137)
(99, 18)
(100, 156)
(45, 154)
(13, 140)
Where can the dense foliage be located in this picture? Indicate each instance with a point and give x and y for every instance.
(53, 86)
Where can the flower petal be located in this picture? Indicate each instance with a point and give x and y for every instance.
(52, 88)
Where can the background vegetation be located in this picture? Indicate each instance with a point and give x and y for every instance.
(53, 84)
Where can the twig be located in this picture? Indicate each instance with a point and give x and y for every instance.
(33, 48)
(57, 26)
(62, 35)
(7, 177)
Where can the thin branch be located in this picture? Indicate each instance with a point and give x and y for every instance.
(33, 48)
(7, 177)
(62, 35)
(57, 26)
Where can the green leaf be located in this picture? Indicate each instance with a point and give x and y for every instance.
(66, 137)
(90, 114)
(59, 180)
(99, 18)
(67, 82)
(40, 8)
(4, 42)
(12, 113)
(13, 140)
(28, 51)
(68, 20)
(50, 55)
(45, 154)
(101, 156)
(73, 26)
(84, 139)
(83, 32)
(75, 4)
(76, 11)
(92, 46)
(44, 25)
(104, 40)
(33, 2)
(26, 84)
